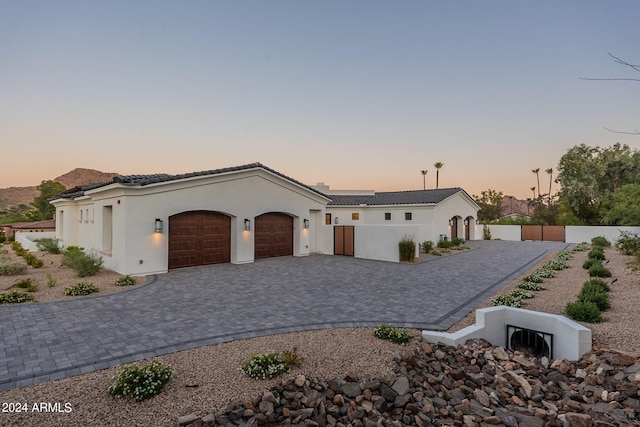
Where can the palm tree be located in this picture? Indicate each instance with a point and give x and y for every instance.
(438, 165)
(534, 192)
(511, 199)
(550, 172)
(424, 182)
(536, 171)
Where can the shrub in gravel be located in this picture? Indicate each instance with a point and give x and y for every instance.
(597, 284)
(596, 253)
(15, 297)
(291, 358)
(83, 264)
(393, 334)
(407, 248)
(9, 267)
(545, 272)
(125, 281)
(80, 289)
(599, 270)
(583, 312)
(508, 300)
(51, 280)
(564, 255)
(596, 296)
(141, 382)
(519, 293)
(530, 286)
(26, 284)
(581, 247)
(589, 262)
(265, 366)
(533, 277)
(628, 243)
(601, 241)
(557, 264)
(49, 244)
(33, 260)
(427, 246)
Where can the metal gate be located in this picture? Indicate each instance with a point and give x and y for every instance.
(549, 233)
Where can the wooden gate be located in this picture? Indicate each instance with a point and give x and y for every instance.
(549, 233)
(343, 240)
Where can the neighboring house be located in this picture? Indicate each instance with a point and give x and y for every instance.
(28, 227)
(437, 213)
(146, 224)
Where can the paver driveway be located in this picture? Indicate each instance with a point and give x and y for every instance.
(191, 307)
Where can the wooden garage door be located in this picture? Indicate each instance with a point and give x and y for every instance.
(199, 238)
(273, 235)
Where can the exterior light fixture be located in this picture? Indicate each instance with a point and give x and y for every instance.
(247, 224)
(158, 225)
(335, 221)
(477, 221)
(450, 222)
(306, 223)
(466, 222)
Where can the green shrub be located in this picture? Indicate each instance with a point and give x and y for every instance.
(589, 262)
(264, 366)
(49, 244)
(445, 244)
(597, 284)
(33, 260)
(427, 246)
(581, 247)
(508, 300)
(545, 272)
(393, 334)
(291, 358)
(51, 281)
(80, 289)
(628, 243)
(601, 241)
(564, 255)
(583, 312)
(457, 241)
(486, 233)
(26, 284)
(141, 382)
(599, 298)
(533, 277)
(519, 293)
(596, 253)
(125, 281)
(18, 249)
(83, 264)
(599, 270)
(557, 264)
(11, 268)
(15, 297)
(530, 286)
(407, 249)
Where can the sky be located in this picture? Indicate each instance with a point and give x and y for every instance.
(355, 94)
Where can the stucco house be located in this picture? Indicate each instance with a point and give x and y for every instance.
(147, 224)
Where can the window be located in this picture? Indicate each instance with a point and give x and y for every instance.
(81, 211)
(86, 215)
(107, 228)
(355, 216)
(387, 216)
(327, 219)
(407, 216)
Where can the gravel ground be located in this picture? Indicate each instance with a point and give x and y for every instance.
(208, 378)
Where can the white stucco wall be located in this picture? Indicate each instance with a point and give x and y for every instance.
(505, 232)
(29, 240)
(380, 242)
(578, 234)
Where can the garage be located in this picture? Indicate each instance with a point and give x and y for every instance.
(273, 235)
(199, 238)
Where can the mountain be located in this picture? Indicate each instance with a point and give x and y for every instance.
(14, 196)
(516, 206)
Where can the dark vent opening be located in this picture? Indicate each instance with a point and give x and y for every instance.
(529, 341)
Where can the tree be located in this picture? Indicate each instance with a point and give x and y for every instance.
(424, 179)
(438, 165)
(536, 171)
(490, 202)
(534, 192)
(48, 189)
(550, 172)
(624, 206)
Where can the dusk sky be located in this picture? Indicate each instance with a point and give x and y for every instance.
(357, 94)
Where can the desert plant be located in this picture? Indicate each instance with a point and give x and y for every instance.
(291, 358)
(427, 246)
(83, 264)
(601, 241)
(599, 270)
(508, 300)
(9, 267)
(49, 244)
(444, 244)
(596, 253)
(457, 241)
(519, 293)
(596, 296)
(581, 247)
(141, 382)
(564, 255)
(264, 366)
(51, 280)
(15, 297)
(597, 284)
(125, 281)
(590, 262)
(407, 248)
(557, 264)
(393, 334)
(628, 243)
(533, 277)
(26, 284)
(33, 260)
(81, 289)
(545, 272)
(18, 249)
(530, 286)
(585, 311)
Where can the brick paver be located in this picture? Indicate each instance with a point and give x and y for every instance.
(192, 307)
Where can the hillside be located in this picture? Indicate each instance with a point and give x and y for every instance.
(514, 206)
(14, 196)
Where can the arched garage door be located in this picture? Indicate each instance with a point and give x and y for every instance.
(199, 238)
(273, 235)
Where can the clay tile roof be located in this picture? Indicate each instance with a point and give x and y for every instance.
(397, 197)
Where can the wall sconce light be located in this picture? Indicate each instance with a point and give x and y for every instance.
(247, 224)
(466, 222)
(477, 221)
(335, 221)
(158, 225)
(306, 223)
(450, 222)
